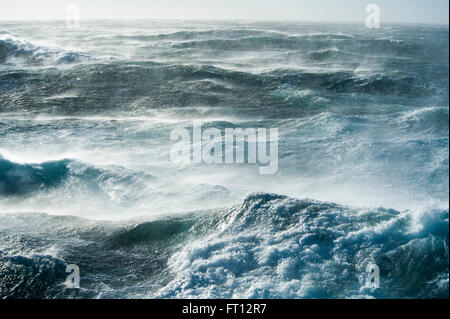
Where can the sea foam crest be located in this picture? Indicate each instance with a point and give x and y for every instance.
(273, 246)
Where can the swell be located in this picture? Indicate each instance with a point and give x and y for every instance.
(116, 86)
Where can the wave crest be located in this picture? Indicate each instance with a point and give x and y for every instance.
(273, 246)
(15, 51)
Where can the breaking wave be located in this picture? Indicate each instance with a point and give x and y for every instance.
(270, 246)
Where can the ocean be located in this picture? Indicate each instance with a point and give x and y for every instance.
(86, 176)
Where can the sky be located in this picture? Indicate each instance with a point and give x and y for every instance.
(406, 11)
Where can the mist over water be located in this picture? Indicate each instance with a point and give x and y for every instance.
(86, 177)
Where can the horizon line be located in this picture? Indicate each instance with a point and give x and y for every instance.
(230, 19)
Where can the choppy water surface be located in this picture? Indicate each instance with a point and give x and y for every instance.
(86, 177)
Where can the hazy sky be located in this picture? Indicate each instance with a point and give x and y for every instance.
(414, 11)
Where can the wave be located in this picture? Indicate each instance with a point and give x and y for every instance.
(273, 246)
(428, 120)
(332, 55)
(156, 231)
(21, 179)
(114, 183)
(191, 35)
(246, 43)
(305, 44)
(238, 36)
(30, 277)
(349, 82)
(15, 51)
(118, 85)
(269, 246)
